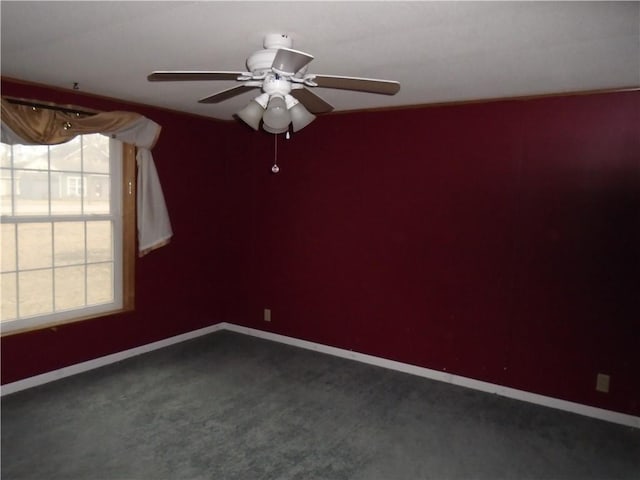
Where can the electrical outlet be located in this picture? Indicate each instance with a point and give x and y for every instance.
(602, 383)
(267, 314)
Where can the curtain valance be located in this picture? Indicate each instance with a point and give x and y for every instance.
(22, 124)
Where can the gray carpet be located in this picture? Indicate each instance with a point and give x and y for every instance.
(229, 406)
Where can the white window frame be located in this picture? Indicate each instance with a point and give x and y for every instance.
(122, 299)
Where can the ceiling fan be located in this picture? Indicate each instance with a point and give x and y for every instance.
(281, 74)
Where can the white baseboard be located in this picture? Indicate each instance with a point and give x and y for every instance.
(586, 410)
(102, 361)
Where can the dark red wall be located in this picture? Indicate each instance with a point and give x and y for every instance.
(499, 241)
(179, 287)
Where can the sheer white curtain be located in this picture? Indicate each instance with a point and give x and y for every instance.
(154, 226)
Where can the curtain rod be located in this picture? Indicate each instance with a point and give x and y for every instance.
(28, 103)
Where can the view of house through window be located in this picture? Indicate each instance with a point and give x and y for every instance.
(61, 231)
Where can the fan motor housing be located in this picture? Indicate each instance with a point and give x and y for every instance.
(277, 40)
(261, 61)
(276, 86)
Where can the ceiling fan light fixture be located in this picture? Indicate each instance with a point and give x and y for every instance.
(251, 114)
(276, 117)
(262, 100)
(300, 116)
(275, 131)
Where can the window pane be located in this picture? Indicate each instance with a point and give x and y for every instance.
(8, 296)
(67, 190)
(97, 199)
(39, 286)
(68, 243)
(99, 283)
(96, 153)
(69, 287)
(8, 242)
(5, 155)
(99, 241)
(31, 156)
(34, 245)
(32, 192)
(67, 156)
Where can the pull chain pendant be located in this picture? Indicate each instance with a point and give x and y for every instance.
(275, 168)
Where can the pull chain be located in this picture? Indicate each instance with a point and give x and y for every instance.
(275, 168)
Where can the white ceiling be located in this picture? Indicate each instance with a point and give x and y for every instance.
(438, 51)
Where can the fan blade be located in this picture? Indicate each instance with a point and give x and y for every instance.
(311, 101)
(371, 85)
(177, 76)
(225, 94)
(288, 61)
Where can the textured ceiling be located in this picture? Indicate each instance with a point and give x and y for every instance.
(438, 51)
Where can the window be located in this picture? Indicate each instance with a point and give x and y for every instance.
(67, 231)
